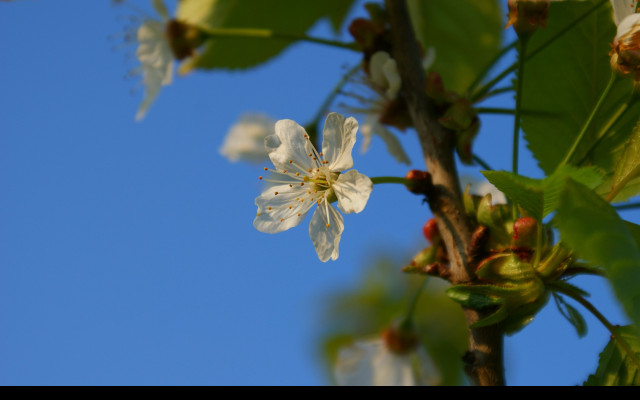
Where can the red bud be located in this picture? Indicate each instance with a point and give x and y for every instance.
(420, 181)
(524, 232)
(430, 230)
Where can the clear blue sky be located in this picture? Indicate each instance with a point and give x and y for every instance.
(127, 251)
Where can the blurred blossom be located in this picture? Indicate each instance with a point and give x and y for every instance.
(156, 61)
(304, 177)
(245, 139)
(374, 363)
(155, 56)
(482, 187)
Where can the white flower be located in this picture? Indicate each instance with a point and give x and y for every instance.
(622, 9)
(372, 363)
(304, 177)
(245, 139)
(156, 60)
(483, 187)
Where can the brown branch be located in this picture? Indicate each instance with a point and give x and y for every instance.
(484, 360)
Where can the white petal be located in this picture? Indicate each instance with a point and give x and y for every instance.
(390, 69)
(245, 139)
(156, 60)
(376, 64)
(394, 147)
(622, 9)
(627, 24)
(429, 58)
(289, 144)
(280, 218)
(367, 131)
(326, 238)
(353, 190)
(369, 363)
(338, 138)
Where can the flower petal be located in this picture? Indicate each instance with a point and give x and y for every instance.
(326, 238)
(370, 363)
(274, 214)
(390, 69)
(156, 59)
(627, 24)
(339, 136)
(394, 147)
(352, 190)
(245, 139)
(290, 143)
(622, 9)
(376, 68)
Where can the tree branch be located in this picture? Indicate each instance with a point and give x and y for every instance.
(484, 360)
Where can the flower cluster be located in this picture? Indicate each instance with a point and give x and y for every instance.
(304, 177)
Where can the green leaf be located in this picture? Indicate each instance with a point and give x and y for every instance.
(540, 197)
(593, 229)
(465, 34)
(554, 184)
(572, 315)
(567, 78)
(615, 368)
(282, 16)
(525, 192)
(628, 165)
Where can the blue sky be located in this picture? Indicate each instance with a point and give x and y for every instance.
(127, 251)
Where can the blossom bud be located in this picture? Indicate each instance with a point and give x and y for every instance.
(527, 15)
(525, 232)
(430, 231)
(419, 181)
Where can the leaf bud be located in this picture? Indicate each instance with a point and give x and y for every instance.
(525, 232)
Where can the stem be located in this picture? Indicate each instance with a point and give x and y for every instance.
(482, 163)
(408, 319)
(538, 256)
(593, 310)
(495, 110)
(630, 206)
(512, 111)
(485, 89)
(255, 33)
(333, 94)
(581, 269)
(490, 65)
(587, 125)
(516, 122)
(484, 360)
(498, 91)
(390, 179)
(617, 115)
(312, 127)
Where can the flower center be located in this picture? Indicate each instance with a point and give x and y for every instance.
(307, 184)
